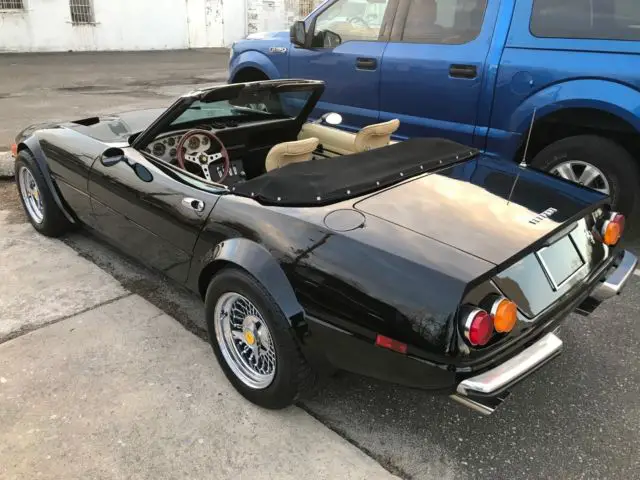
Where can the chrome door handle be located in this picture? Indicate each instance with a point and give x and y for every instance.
(193, 204)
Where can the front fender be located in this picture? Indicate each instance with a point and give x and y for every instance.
(32, 143)
(612, 97)
(257, 261)
(254, 59)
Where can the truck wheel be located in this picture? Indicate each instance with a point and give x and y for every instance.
(594, 162)
(253, 341)
(41, 209)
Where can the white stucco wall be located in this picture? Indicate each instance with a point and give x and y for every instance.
(124, 25)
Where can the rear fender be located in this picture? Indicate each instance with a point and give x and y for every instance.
(33, 145)
(506, 137)
(258, 262)
(611, 97)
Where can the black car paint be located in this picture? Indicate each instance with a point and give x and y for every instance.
(339, 289)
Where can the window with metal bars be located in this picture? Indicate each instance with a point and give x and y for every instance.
(301, 8)
(81, 12)
(11, 5)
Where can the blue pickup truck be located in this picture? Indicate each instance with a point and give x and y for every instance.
(480, 72)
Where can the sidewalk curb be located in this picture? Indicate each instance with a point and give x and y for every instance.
(7, 169)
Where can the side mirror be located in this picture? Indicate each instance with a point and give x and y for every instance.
(298, 34)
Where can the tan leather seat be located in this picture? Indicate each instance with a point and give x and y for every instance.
(338, 142)
(291, 152)
(376, 136)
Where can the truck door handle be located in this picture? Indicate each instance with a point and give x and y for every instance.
(193, 204)
(463, 71)
(366, 64)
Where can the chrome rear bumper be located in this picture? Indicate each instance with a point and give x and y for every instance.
(475, 391)
(616, 281)
(485, 391)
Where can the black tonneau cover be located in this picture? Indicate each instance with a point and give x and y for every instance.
(330, 180)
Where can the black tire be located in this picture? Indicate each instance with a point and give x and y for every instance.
(54, 222)
(614, 161)
(249, 75)
(293, 375)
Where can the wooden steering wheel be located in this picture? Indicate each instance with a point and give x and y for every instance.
(204, 158)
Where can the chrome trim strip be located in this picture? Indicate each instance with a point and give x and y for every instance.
(615, 283)
(468, 321)
(513, 369)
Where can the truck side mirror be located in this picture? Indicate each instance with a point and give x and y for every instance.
(299, 34)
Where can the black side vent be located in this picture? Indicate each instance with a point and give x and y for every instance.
(87, 122)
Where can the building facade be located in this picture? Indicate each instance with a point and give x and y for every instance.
(103, 25)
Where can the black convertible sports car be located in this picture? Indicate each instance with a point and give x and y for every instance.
(421, 262)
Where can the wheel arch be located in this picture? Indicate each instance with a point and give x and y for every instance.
(32, 145)
(258, 262)
(253, 62)
(579, 107)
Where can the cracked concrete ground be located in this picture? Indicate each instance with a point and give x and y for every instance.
(96, 382)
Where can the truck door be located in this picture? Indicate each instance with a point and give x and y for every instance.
(349, 38)
(433, 69)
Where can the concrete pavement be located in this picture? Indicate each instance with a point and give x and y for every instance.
(106, 385)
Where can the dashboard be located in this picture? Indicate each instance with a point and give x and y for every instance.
(166, 147)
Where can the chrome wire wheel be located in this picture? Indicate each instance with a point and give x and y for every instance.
(583, 173)
(245, 340)
(31, 195)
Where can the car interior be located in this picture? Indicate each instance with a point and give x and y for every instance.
(238, 140)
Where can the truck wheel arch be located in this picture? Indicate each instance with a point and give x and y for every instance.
(249, 74)
(256, 261)
(253, 63)
(587, 106)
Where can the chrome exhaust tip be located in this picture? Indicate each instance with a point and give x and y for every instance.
(484, 406)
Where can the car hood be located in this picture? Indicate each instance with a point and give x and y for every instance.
(267, 35)
(111, 128)
(467, 206)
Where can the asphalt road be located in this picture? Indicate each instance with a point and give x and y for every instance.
(576, 418)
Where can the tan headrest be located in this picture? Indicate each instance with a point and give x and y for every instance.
(291, 152)
(376, 136)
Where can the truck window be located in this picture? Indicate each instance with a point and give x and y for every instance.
(359, 20)
(444, 21)
(586, 19)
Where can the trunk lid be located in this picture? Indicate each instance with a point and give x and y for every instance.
(470, 207)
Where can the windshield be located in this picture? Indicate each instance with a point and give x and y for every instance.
(261, 104)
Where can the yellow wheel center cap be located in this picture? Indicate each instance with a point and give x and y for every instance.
(249, 337)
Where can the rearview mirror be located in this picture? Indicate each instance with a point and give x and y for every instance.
(298, 34)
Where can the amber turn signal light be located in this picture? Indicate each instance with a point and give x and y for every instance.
(505, 315)
(612, 229)
(14, 150)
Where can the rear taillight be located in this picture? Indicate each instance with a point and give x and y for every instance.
(612, 229)
(14, 150)
(505, 315)
(478, 327)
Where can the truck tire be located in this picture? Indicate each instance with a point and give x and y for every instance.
(595, 162)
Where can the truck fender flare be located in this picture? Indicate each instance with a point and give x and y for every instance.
(33, 144)
(258, 262)
(257, 60)
(611, 97)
